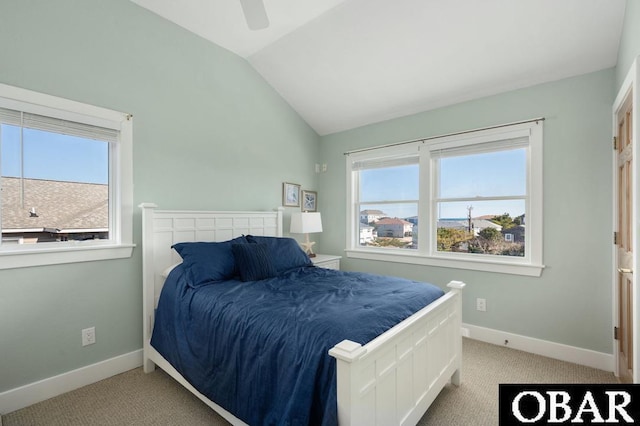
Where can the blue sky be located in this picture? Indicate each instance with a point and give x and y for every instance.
(53, 156)
(500, 173)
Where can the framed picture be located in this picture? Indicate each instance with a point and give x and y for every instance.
(290, 194)
(309, 201)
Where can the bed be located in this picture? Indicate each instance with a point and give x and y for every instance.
(391, 379)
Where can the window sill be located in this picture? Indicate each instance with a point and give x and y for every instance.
(50, 255)
(419, 259)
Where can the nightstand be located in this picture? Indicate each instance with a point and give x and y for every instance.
(326, 261)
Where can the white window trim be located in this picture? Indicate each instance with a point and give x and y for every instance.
(531, 265)
(120, 185)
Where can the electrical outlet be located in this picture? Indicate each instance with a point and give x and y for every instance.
(481, 304)
(88, 336)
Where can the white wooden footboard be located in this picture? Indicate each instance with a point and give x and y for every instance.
(393, 379)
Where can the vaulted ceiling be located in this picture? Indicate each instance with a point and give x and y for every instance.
(347, 63)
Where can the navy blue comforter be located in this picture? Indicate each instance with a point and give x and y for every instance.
(259, 349)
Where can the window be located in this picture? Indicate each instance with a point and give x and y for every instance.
(471, 200)
(65, 175)
(387, 197)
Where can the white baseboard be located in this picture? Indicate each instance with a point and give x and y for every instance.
(599, 360)
(15, 399)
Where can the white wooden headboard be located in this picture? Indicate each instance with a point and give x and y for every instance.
(163, 228)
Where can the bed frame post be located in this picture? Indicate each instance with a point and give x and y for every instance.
(456, 287)
(148, 297)
(345, 353)
(280, 211)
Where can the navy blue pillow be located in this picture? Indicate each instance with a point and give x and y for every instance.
(253, 261)
(208, 261)
(285, 253)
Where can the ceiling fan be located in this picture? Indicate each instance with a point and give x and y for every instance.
(255, 14)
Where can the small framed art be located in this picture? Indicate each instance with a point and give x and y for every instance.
(309, 201)
(290, 194)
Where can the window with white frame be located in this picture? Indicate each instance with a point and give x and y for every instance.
(65, 175)
(471, 200)
(387, 196)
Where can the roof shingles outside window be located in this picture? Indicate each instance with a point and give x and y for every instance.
(66, 207)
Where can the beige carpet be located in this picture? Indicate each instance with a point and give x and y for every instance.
(135, 398)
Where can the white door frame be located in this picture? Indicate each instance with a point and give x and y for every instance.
(630, 83)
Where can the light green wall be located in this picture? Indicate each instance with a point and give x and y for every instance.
(629, 41)
(571, 302)
(209, 132)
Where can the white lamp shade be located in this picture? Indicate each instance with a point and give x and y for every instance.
(305, 223)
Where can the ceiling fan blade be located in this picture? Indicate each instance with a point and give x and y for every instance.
(255, 14)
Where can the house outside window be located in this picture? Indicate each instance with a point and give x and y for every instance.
(65, 175)
(367, 234)
(452, 201)
(369, 216)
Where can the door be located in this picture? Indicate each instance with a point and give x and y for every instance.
(624, 239)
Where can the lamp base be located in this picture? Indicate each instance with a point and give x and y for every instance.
(307, 246)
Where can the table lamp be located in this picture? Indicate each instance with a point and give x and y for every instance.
(306, 223)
